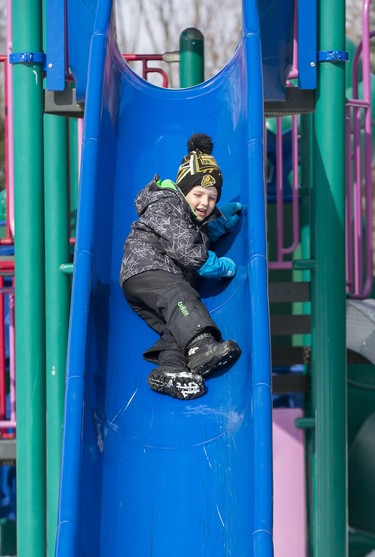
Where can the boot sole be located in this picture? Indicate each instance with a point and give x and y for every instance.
(218, 361)
(182, 386)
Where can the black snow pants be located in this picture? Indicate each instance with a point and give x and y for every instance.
(171, 307)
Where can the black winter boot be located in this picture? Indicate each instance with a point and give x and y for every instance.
(205, 355)
(173, 378)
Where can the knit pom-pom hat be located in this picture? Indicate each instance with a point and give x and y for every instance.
(198, 167)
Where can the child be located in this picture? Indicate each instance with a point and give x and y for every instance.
(165, 250)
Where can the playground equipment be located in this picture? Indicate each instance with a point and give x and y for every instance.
(106, 463)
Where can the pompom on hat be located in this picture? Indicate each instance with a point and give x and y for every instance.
(198, 167)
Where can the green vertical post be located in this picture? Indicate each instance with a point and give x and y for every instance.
(29, 268)
(191, 57)
(74, 171)
(305, 214)
(57, 303)
(57, 298)
(328, 292)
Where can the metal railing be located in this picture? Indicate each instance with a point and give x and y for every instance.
(283, 250)
(167, 57)
(7, 301)
(359, 197)
(281, 262)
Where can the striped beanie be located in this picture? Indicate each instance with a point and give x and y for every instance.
(198, 167)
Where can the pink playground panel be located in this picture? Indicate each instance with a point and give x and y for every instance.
(289, 484)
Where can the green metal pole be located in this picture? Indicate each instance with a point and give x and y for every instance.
(191, 57)
(305, 212)
(74, 172)
(29, 268)
(328, 291)
(57, 298)
(57, 303)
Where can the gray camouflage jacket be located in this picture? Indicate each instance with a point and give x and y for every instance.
(167, 235)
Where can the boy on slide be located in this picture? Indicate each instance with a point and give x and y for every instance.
(165, 251)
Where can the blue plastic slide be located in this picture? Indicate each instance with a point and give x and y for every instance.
(144, 474)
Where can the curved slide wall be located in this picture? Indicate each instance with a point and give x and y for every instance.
(144, 474)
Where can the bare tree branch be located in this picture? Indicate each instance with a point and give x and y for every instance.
(162, 22)
(159, 24)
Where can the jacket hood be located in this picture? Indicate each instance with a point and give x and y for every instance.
(154, 191)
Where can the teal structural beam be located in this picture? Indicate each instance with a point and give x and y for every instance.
(57, 303)
(191, 57)
(306, 142)
(57, 285)
(74, 155)
(29, 269)
(328, 291)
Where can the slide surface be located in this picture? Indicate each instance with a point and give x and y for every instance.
(144, 474)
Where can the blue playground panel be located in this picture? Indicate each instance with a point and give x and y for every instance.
(276, 20)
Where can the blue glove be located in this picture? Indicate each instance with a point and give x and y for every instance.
(226, 222)
(217, 267)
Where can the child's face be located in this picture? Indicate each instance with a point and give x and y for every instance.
(202, 200)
